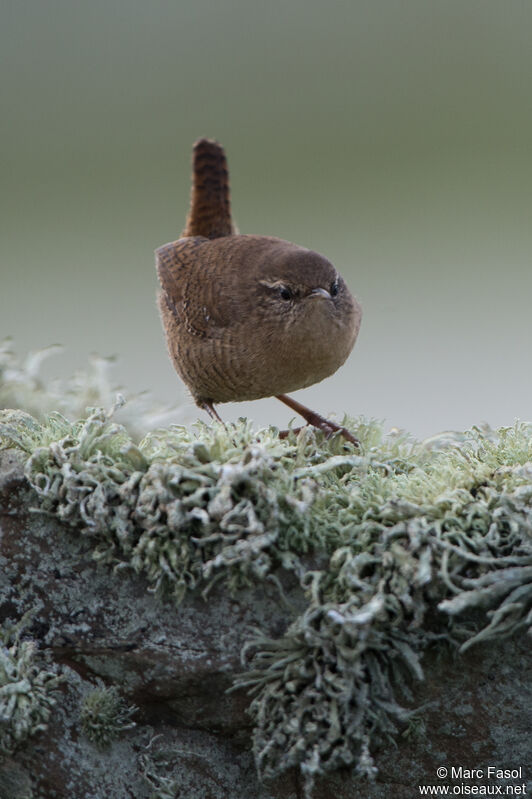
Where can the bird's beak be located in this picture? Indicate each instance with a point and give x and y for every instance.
(320, 293)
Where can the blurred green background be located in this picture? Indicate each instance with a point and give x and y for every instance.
(394, 137)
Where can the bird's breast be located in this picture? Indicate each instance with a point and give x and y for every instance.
(280, 355)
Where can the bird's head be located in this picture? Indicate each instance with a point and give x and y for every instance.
(303, 290)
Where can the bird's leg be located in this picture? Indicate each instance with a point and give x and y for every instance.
(206, 405)
(316, 420)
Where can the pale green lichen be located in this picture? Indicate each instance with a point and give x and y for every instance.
(23, 386)
(453, 534)
(27, 686)
(105, 715)
(409, 543)
(218, 505)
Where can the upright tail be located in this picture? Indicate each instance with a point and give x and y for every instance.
(210, 208)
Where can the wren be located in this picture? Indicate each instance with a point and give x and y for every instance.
(249, 316)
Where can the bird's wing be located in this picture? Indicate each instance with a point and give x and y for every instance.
(185, 272)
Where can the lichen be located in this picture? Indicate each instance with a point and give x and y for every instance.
(398, 545)
(27, 686)
(23, 386)
(105, 715)
(152, 765)
(182, 514)
(454, 535)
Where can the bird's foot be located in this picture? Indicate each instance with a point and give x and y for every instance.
(316, 420)
(311, 417)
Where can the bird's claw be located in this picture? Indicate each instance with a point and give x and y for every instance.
(328, 428)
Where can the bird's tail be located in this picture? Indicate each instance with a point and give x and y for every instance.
(210, 207)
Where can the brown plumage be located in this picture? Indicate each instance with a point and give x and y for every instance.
(210, 207)
(246, 316)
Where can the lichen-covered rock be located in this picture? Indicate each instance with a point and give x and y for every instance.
(175, 663)
(232, 614)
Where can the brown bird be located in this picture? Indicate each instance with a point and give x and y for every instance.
(247, 316)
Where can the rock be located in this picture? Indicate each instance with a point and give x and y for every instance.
(172, 665)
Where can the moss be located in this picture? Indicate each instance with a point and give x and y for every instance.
(105, 715)
(397, 545)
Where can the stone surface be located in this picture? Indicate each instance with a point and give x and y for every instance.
(175, 663)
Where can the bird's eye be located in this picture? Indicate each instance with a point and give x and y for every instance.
(285, 293)
(333, 291)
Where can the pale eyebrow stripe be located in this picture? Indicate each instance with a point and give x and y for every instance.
(271, 284)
